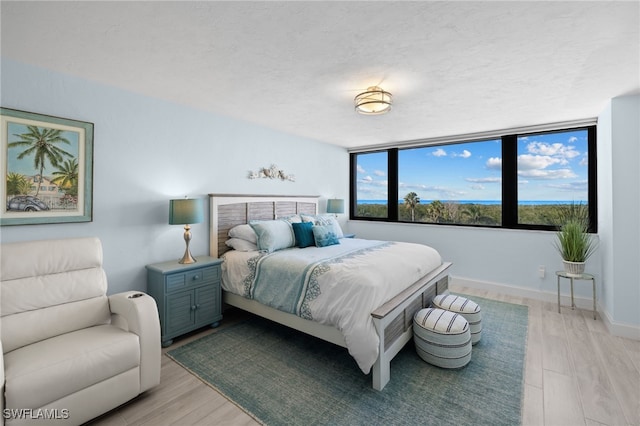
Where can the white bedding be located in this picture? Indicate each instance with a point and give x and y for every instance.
(344, 283)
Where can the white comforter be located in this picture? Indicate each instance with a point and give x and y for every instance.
(349, 281)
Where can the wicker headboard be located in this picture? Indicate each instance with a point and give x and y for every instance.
(229, 210)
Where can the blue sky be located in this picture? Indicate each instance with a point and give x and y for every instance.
(25, 166)
(551, 166)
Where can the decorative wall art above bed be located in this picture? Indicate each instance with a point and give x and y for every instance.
(272, 172)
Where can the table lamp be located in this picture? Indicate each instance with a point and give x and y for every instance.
(335, 206)
(184, 212)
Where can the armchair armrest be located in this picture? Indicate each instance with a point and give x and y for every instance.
(137, 313)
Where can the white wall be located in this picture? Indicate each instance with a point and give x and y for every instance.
(619, 207)
(148, 151)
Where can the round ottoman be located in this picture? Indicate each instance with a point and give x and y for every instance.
(469, 309)
(442, 338)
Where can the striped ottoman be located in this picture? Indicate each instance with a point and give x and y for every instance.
(469, 309)
(442, 338)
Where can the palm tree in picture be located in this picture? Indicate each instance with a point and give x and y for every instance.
(411, 200)
(41, 143)
(17, 184)
(66, 177)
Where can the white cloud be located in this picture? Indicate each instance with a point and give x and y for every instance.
(555, 149)
(379, 173)
(582, 185)
(484, 180)
(494, 163)
(573, 139)
(371, 194)
(360, 169)
(439, 153)
(530, 162)
(428, 192)
(369, 181)
(477, 187)
(464, 154)
(585, 161)
(416, 186)
(547, 174)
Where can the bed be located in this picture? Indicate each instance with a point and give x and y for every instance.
(390, 312)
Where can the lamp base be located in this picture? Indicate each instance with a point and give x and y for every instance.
(187, 258)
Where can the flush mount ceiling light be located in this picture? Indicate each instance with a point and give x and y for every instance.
(374, 101)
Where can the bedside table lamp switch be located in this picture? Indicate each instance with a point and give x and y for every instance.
(185, 212)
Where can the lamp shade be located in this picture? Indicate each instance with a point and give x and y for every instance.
(374, 101)
(185, 211)
(335, 206)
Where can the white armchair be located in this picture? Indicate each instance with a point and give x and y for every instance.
(70, 352)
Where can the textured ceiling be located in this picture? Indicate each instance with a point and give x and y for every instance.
(453, 67)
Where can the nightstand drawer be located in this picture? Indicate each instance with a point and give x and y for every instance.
(186, 280)
(175, 282)
(203, 275)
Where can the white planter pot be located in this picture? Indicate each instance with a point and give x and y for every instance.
(573, 269)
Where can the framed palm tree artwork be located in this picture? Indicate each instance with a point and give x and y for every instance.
(47, 168)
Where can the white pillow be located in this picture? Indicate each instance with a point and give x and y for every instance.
(294, 218)
(324, 220)
(274, 234)
(244, 232)
(241, 245)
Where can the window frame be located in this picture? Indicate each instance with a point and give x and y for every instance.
(509, 142)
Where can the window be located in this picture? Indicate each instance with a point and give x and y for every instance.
(456, 183)
(552, 173)
(522, 180)
(371, 184)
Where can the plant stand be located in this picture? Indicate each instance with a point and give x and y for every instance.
(571, 277)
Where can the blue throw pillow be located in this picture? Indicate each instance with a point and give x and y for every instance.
(325, 236)
(304, 234)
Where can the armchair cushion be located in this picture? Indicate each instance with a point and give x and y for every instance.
(73, 361)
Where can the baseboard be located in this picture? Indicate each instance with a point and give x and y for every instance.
(620, 329)
(615, 328)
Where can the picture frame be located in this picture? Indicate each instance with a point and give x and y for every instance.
(46, 164)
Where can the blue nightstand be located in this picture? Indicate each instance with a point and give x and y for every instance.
(188, 296)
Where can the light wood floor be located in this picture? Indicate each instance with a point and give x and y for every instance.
(576, 374)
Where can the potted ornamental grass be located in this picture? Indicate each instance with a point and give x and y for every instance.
(574, 243)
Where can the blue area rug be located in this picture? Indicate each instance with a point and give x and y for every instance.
(281, 376)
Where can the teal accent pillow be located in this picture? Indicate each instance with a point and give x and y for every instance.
(324, 220)
(274, 235)
(304, 234)
(325, 236)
